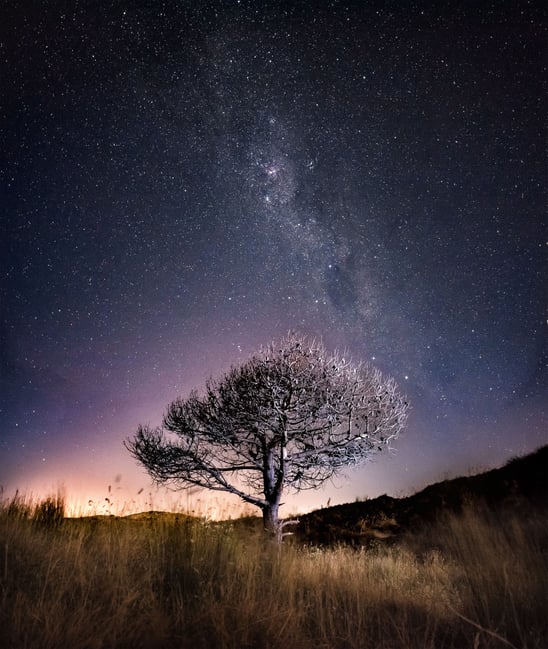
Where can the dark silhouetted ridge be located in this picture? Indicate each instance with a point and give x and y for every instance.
(521, 483)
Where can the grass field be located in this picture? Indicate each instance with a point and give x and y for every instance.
(474, 580)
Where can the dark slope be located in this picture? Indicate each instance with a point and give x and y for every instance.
(521, 483)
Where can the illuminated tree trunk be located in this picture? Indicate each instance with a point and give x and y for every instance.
(273, 494)
(271, 522)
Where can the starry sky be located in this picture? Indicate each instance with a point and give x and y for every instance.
(182, 181)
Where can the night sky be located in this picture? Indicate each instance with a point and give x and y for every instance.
(182, 181)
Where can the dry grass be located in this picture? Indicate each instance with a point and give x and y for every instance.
(471, 581)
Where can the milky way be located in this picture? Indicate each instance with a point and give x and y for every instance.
(183, 181)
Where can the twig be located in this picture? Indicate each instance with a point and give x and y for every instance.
(481, 628)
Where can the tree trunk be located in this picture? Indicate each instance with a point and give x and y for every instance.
(271, 522)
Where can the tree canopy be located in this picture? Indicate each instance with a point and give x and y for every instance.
(291, 417)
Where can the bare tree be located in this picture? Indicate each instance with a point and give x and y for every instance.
(291, 417)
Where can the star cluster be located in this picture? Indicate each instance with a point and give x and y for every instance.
(183, 181)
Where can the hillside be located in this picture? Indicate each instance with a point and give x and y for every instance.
(522, 482)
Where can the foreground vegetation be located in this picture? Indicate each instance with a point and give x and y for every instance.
(477, 579)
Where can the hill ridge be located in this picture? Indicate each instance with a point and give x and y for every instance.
(522, 480)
